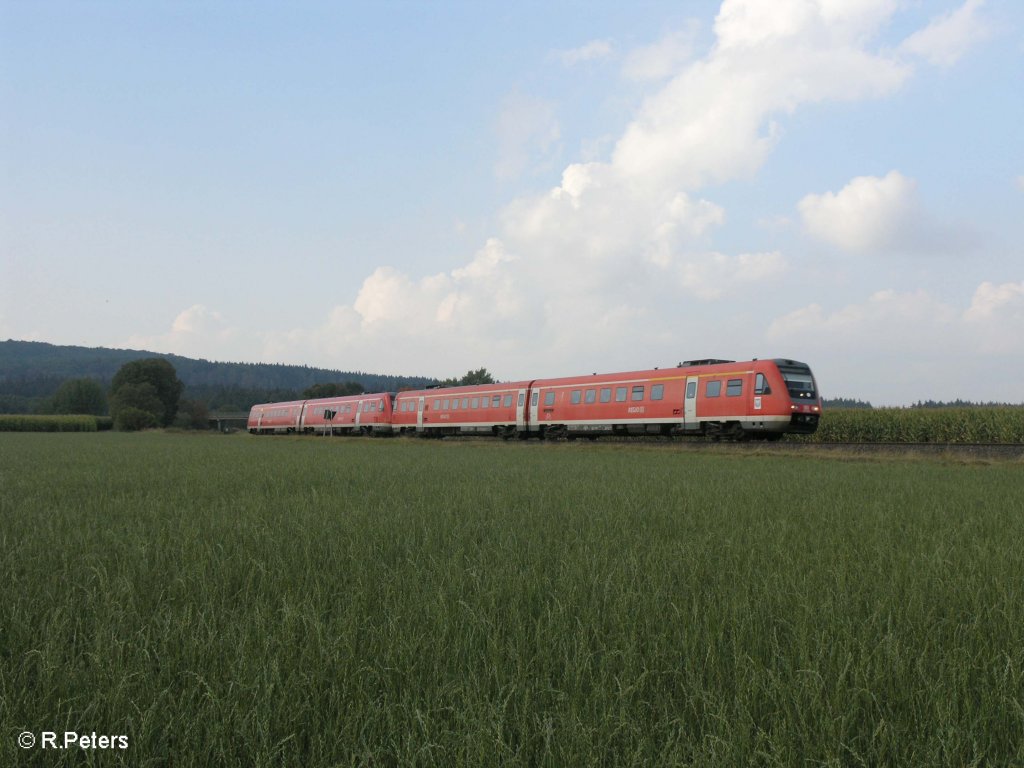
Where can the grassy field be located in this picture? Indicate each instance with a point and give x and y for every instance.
(244, 601)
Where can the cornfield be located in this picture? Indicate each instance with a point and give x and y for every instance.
(22, 423)
(920, 425)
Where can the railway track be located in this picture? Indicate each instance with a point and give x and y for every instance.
(976, 450)
(973, 449)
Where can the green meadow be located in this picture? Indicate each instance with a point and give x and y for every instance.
(283, 601)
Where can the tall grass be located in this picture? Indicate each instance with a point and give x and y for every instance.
(920, 425)
(298, 601)
(23, 423)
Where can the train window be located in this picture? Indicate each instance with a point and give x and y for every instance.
(465, 403)
(591, 396)
(549, 398)
(447, 405)
(437, 405)
(713, 389)
(507, 402)
(734, 388)
(658, 392)
(496, 400)
(522, 397)
(533, 400)
(476, 402)
(761, 385)
(576, 394)
(620, 394)
(638, 393)
(798, 380)
(455, 404)
(485, 402)
(380, 406)
(606, 394)
(691, 390)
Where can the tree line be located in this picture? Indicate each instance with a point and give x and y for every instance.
(147, 393)
(36, 369)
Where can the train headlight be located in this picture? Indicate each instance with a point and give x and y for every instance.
(792, 407)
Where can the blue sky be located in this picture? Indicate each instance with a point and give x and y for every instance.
(544, 189)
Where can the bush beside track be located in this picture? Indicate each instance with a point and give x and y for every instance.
(919, 425)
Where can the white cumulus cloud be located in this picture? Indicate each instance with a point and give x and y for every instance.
(662, 58)
(947, 38)
(996, 315)
(590, 51)
(913, 345)
(619, 256)
(528, 133)
(869, 213)
(197, 331)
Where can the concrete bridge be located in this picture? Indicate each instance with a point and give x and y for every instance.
(229, 420)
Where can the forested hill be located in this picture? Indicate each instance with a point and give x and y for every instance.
(32, 369)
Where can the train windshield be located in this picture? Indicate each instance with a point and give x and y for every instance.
(799, 382)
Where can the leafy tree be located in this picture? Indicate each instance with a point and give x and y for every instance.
(158, 374)
(340, 389)
(193, 414)
(479, 376)
(80, 396)
(130, 419)
(136, 397)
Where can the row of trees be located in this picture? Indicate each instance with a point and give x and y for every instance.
(147, 393)
(143, 394)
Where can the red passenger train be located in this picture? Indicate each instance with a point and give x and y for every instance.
(717, 398)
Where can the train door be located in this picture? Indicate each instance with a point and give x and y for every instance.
(534, 408)
(690, 406)
(759, 390)
(521, 424)
(359, 411)
(419, 414)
